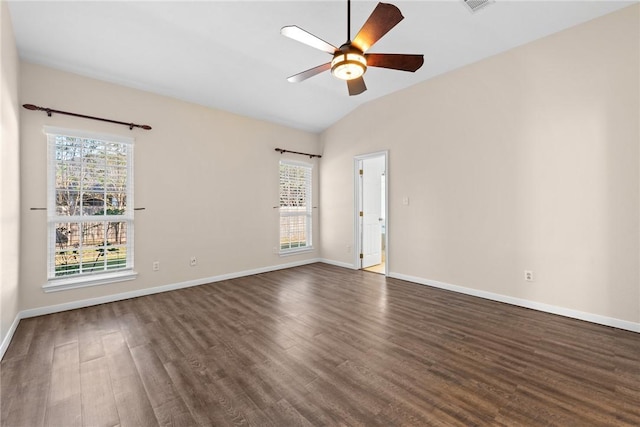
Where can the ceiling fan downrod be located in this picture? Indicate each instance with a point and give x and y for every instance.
(348, 21)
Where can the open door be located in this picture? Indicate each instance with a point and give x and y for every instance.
(372, 217)
(371, 211)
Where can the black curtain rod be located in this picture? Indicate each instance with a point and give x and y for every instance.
(50, 111)
(311, 156)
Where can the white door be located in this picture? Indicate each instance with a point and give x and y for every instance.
(372, 216)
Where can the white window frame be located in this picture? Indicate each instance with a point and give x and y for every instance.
(308, 211)
(83, 279)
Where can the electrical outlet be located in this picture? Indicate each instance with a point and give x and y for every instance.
(193, 261)
(156, 265)
(528, 275)
(348, 249)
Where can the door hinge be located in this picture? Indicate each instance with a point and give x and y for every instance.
(361, 256)
(361, 172)
(361, 213)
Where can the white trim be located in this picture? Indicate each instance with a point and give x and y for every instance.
(75, 133)
(547, 308)
(372, 155)
(357, 163)
(297, 163)
(7, 338)
(74, 282)
(296, 251)
(56, 283)
(40, 311)
(339, 264)
(357, 191)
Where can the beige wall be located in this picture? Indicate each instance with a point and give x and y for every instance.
(9, 175)
(208, 180)
(528, 160)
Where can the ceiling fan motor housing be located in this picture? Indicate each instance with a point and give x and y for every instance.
(348, 62)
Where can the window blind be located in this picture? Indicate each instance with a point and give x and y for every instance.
(296, 211)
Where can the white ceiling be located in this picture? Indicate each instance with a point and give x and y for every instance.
(230, 54)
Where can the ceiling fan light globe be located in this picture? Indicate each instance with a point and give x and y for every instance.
(348, 66)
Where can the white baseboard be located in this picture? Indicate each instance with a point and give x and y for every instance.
(7, 338)
(547, 308)
(338, 263)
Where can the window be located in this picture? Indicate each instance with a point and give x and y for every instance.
(296, 212)
(90, 209)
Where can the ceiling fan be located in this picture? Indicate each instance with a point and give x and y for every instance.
(350, 61)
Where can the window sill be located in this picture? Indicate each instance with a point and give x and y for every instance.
(296, 251)
(56, 285)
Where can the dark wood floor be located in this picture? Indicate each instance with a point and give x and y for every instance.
(317, 345)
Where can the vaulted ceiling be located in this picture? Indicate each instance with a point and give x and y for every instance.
(230, 54)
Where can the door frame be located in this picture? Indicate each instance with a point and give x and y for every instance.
(357, 222)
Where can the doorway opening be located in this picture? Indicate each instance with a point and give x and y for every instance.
(372, 235)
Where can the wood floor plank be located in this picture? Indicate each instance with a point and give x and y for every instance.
(168, 406)
(66, 330)
(133, 330)
(336, 404)
(10, 371)
(132, 401)
(317, 345)
(90, 332)
(282, 413)
(64, 405)
(98, 402)
(163, 344)
(206, 407)
(33, 380)
(22, 339)
(29, 404)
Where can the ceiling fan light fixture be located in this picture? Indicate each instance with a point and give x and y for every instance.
(348, 65)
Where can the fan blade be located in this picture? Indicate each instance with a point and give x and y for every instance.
(297, 78)
(298, 34)
(395, 61)
(356, 86)
(383, 18)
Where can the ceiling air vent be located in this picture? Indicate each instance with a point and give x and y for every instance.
(476, 5)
